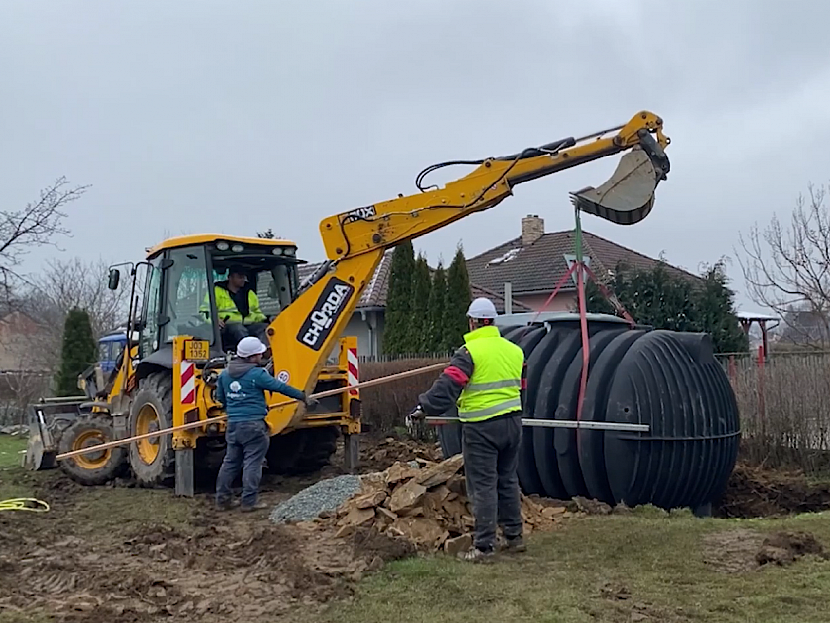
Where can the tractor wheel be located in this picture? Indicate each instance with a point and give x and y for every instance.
(284, 451)
(320, 444)
(152, 459)
(302, 451)
(96, 468)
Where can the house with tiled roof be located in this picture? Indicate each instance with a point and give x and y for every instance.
(367, 322)
(533, 263)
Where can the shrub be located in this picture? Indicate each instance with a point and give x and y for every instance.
(386, 406)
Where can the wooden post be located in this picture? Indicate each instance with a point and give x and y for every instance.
(761, 404)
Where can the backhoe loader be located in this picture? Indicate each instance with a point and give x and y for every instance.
(166, 377)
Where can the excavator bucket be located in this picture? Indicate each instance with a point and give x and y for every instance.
(628, 196)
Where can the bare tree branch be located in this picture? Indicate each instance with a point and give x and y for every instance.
(36, 225)
(787, 269)
(62, 285)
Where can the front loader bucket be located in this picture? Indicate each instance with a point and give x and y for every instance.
(48, 418)
(628, 196)
(41, 449)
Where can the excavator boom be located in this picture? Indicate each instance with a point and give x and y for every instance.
(355, 240)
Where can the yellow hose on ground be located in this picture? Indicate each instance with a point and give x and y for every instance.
(33, 505)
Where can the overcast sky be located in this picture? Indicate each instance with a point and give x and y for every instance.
(200, 115)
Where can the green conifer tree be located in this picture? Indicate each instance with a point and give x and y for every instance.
(437, 312)
(77, 353)
(397, 330)
(458, 301)
(664, 300)
(419, 319)
(715, 305)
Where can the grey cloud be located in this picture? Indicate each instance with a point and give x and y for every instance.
(204, 115)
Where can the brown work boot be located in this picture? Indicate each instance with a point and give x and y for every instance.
(226, 506)
(259, 506)
(514, 545)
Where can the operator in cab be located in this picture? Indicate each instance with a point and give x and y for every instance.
(237, 308)
(240, 389)
(485, 380)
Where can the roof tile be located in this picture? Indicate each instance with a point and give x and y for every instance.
(539, 266)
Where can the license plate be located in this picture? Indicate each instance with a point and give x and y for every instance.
(197, 350)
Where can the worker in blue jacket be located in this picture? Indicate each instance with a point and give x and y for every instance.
(240, 389)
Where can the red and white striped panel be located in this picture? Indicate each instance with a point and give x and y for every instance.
(352, 357)
(188, 396)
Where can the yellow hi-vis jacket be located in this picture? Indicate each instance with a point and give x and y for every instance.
(495, 386)
(226, 309)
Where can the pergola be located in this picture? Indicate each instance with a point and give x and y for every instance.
(747, 318)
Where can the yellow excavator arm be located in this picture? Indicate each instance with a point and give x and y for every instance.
(306, 331)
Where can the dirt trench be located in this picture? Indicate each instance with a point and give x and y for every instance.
(760, 492)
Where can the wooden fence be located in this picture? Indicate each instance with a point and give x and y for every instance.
(784, 403)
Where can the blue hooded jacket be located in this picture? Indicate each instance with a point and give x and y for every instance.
(241, 388)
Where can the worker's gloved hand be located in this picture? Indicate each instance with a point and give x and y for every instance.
(311, 402)
(414, 418)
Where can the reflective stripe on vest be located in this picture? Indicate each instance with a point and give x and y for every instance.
(226, 308)
(495, 385)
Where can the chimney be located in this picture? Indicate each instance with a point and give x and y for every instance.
(532, 229)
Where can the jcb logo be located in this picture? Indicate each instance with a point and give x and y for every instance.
(327, 310)
(360, 214)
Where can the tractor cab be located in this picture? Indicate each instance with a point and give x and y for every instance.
(110, 348)
(180, 283)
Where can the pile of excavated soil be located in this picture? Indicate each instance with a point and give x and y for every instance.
(741, 550)
(380, 454)
(425, 504)
(758, 492)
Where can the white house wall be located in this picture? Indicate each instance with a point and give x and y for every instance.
(367, 345)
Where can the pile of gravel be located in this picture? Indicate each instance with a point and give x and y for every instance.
(326, 495)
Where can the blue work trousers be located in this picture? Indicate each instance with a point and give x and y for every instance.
(247, 444)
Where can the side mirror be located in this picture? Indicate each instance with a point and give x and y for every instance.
(114, 279)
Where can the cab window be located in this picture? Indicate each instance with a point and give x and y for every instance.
(187, 304)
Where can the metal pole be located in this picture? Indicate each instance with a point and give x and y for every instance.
(585, 424)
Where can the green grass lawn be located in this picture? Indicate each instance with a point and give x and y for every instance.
(609, 569)
(10, 448)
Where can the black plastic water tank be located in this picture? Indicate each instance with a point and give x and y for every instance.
(668, 380)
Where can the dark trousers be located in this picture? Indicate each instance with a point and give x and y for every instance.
(491, 461)
(247, 443)
(235, 331)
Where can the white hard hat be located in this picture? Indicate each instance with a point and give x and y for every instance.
(249, 346)
(482, 308)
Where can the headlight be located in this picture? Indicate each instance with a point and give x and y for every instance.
(237, 248)
(222, 245)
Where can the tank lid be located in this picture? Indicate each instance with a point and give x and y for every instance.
(506, 320)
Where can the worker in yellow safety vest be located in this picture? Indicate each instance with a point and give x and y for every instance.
(237, 309)
(485, 380)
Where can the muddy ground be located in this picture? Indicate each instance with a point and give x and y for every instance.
(194, 564)
(91, 559)
(759, 492)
